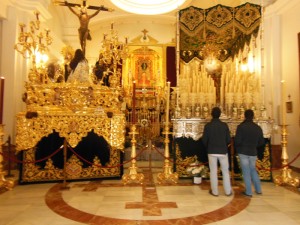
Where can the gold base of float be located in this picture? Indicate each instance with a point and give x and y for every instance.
(286, 177)
(8, 184)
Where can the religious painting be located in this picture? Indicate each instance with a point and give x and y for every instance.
(144, 72)
(289, 107)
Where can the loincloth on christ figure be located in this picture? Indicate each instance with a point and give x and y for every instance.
(85, 32)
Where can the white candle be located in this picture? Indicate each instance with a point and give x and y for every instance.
(283, 93)
(168, 103)
(1, 98)
(133, 103)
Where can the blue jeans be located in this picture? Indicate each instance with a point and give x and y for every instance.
(213, 167)
(250, 175)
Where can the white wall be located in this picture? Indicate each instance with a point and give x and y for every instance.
(290, 22)
(13, 67)
(282, 25)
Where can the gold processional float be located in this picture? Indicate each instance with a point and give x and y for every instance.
(71, 109)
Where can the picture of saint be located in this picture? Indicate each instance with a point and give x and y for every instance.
(144, 79)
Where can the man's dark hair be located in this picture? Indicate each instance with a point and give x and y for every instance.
(249, 114)
(216, 112)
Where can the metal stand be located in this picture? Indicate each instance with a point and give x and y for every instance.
(285, 177)
(64, 186)
(133, 176)
(9, 174)
(167, 176)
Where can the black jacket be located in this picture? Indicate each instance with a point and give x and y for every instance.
(248, 138)
(216, 137)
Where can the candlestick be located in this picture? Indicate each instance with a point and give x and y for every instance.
(168, 103)
(1, 98)
(283, 91)
(133, 103)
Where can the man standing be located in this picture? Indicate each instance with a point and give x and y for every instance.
(248, 138)
(216, 138)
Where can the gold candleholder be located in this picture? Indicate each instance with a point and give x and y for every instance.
(133, 176)
(286, 176)
(8, 184)
(33, 43)
(167, 176)
(113, 52)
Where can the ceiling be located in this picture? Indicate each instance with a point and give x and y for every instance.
(123, 19)
(121, 16)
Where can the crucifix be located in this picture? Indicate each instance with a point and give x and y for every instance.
(145, 34)
(84, 18)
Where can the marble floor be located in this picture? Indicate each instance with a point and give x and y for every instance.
(109, 202)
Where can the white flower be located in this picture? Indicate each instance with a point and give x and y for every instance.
(196, 169)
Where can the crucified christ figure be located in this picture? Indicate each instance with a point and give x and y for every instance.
(84, 19)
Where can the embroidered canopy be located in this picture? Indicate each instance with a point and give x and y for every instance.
(219, 30)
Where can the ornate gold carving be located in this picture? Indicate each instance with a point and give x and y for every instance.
(32, 43)
(264, 165)
(71, 126)
(74, 170)
(8, 184)
(70, 97)
(181, 164)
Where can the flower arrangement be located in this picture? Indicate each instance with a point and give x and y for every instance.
(196, 169)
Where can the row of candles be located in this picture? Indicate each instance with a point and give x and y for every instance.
(244, 86)
(195, 85)
(195, 80)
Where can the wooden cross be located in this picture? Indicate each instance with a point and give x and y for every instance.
(83, 5)
(145, 34)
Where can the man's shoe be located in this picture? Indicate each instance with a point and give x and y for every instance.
(210, 192)
(229, 194)
(244, 193)
(258, 193)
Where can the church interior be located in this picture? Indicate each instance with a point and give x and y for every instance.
(121, 145)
